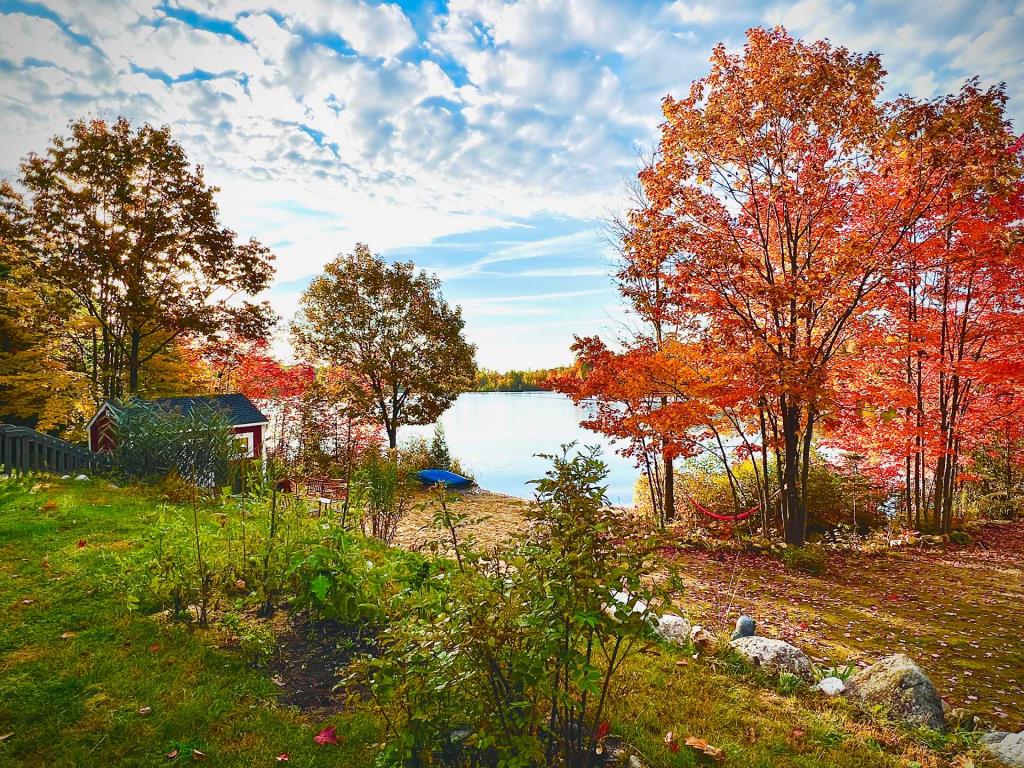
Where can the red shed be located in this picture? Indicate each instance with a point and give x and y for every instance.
(247, 421)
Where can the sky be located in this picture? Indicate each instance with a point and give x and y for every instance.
(486, 141)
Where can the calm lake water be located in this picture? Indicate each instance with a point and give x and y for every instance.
(496, 434)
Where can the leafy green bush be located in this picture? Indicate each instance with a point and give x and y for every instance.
(344, 579)
(810, 559)
(381, 493)
(515, 656)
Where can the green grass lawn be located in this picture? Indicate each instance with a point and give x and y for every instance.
(76, 669)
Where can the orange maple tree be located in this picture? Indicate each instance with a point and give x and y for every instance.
(938, 364)
(782, 193)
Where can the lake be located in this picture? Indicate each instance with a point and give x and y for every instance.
(496, 434)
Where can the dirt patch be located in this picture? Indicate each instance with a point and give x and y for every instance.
(311, 654)
(495, 519)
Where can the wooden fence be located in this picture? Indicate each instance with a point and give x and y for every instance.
(24, 450)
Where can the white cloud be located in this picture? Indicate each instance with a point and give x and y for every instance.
(330, 121)
(693, 13)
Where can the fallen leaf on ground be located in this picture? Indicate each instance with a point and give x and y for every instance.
(143, 711)
(172, 755)
(6, 736)
(326, 736)
(81, 543)
(283, 757)
(197, 755)
(702, 746)
(67, 635)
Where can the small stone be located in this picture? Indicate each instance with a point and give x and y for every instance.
(145, 711)
(674, 629)
(82, 477)
(65, 477)
(703, 639)
(959, 719)
(775, 655)
(745, 627)
(831, 686)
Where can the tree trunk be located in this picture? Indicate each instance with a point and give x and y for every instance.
(670, 488)
(133, 363)
(793, 512)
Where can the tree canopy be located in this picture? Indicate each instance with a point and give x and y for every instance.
(121, 223)
(789, 221)
(390, 328)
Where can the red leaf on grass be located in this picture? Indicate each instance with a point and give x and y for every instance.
(602, 730)
(326, 736)
(283, 757)
(172, 755)
(81, 543)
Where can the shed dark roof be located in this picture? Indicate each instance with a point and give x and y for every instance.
(238, 408)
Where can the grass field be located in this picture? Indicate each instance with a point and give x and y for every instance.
(84, 682)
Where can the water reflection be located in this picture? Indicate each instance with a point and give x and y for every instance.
(496, 434)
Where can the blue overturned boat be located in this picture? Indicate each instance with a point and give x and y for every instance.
(450, 479)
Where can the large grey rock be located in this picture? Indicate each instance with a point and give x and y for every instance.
(1005, 747)
(674, 629)
(775, 655)
(900, 687)
(745, 627)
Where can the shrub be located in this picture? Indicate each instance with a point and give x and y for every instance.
(152, 443)
(517, 654)
(960, 537)
(382, 492)
(342, 579)
(809, 559)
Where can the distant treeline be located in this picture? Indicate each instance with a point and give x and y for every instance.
(517, 381)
